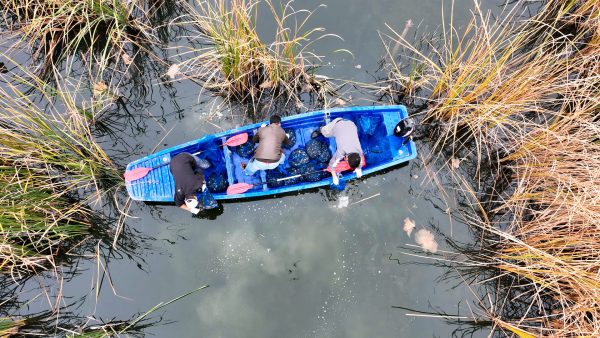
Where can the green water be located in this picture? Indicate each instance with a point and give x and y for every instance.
(297, 265)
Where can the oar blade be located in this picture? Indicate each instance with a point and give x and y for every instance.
(237, 140)
(136, 174)
(238, 188)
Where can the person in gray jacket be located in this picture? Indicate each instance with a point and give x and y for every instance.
(269, 153)
(348, 146)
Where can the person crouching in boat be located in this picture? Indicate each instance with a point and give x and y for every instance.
(349, 154)
(189, 180)
(269, 153)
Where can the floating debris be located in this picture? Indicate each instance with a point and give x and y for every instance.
(173, 71)
(409, 225)
(100, 88)
(426, 240)
(266, 85)
(307, 88)
(126, 59)
(455, 163)
(364, 199)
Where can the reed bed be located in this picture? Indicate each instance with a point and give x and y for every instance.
(233, 60)
(55, 30)
(51, 171)
(521, 96)
(9, 327)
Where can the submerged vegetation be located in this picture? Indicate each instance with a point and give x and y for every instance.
(519, 98)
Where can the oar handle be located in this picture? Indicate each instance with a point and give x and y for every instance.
(289, 178)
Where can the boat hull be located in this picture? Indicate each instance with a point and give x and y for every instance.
(376, 132)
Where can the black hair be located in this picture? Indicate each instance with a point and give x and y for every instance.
(275, 119)
(354, 160)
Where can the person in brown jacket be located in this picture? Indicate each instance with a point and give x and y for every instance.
(269, 153)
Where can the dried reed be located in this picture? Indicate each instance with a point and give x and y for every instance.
(55, 30)
(51, 170)
(524, 95)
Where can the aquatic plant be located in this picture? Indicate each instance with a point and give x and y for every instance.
(237, 63)
(51, 171)
(56, 29)
(9, 327)
(519, 100)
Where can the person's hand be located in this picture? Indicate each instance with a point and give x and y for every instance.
(195, 211)
(336, 180)
(358, 172)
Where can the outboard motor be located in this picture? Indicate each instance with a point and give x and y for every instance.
(404, 128)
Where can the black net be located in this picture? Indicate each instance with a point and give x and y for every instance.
(291, 136)
(318, 150)
(217, 182)
(245, 150)
(298, 157)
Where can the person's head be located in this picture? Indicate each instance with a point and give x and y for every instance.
(353, 160)
(275, 119)
(191, 201)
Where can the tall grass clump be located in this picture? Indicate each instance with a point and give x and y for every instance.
(51, 170)
(518, 98)
(56, 29)
(480, 81)
(234, 61)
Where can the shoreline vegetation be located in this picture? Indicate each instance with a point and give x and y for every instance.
(518, 100)
(510, 102)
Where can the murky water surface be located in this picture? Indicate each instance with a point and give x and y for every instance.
(315, 264)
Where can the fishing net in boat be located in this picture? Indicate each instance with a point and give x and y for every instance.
(245, 150)
(292, 136)
(308, 162)
(216, 173)
(217, 182)
(272, 176)
(318, 150)
(298, 157)
(291, 172)
(313, 172)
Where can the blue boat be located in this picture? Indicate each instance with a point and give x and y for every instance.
(378, 129)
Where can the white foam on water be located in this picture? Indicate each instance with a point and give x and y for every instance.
(343, 202)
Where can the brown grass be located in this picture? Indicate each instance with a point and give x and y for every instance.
(525, 96)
